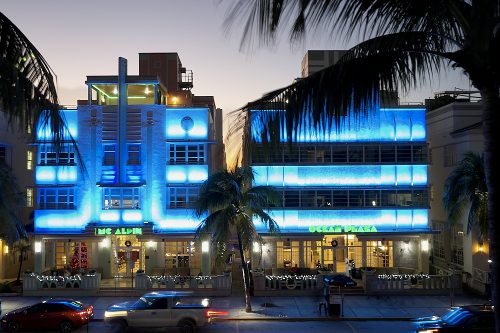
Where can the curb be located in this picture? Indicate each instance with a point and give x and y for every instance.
(317, 319)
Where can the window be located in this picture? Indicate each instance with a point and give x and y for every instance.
(29, 160)
(356, 198)
(372, 154)
(109, 155)
(56, 198)
(121, 198)
(134, 154)
(339, 154)
(183, 197)
(404, 153)
(187, 154)
(29, 197)
(292, 198)
(450, 156)
(307, 154)
(3, 154)
(355, 154)
(49, 156)
(420, 154)
(438, 240)
(387, 154)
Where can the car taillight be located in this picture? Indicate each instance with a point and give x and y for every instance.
(215, 313)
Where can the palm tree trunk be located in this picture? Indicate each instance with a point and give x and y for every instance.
(20, 267)
(246, 276)
(491, 118)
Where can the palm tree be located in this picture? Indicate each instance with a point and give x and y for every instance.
(232, 204)
(404, 43)
(28, 100)
(21, 247)
(11, 205)
(465, 191)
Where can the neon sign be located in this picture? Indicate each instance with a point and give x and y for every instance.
(343, 228)
(117, 231)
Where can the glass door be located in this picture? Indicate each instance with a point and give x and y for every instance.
(127, 255)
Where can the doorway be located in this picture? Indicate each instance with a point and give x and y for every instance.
(127, 255)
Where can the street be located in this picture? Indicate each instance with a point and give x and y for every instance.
(248, 326)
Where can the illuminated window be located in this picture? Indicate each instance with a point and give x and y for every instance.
(187, 154)
(49, 156)
(109, 155)
(29, 197)
(29, 160)
(121, 198)
(183, 197)
(56, 198)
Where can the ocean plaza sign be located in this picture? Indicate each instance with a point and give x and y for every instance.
(339, 229)
(117, 231)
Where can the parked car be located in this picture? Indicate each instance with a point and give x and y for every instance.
(53, 314)
(160, 310)
(340, 280)
(470, 318)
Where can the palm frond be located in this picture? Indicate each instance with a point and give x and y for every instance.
(266, 18)
(340, 94)
(465, 189)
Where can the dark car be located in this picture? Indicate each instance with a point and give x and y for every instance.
(470, 318)
(54, 314)
(340, 280)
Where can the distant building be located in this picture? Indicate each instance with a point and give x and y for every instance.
(16, 153)
(147, 143)
(316, 60)
(454, 128)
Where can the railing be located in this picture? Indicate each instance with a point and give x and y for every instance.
(411, 283)
(218, 284)
(481, 276)
(34, 284)
(270, 283)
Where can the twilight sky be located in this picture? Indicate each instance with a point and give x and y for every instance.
(80, 38)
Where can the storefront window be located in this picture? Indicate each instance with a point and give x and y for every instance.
(379, 254)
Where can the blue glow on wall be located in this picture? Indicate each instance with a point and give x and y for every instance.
(71, 118)
(385, 220)
(110, 216)
(186, 174)
(46, 174)
(61, 221)
(341, 175)
(177, 220)
(176, 128)
(383, 125)
(132, 215)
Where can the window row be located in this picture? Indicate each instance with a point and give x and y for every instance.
(186, 153)
(49, 155)
(110, 154)
(178, 154)
(333, 199)
(121, 198)
(343, 153)
(56, 198)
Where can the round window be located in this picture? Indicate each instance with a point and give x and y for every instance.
(187, 123)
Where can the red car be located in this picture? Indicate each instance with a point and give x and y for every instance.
(54, 314)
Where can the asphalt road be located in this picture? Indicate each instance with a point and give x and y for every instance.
(277, 327)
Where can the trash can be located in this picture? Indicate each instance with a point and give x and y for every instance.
(335, 305)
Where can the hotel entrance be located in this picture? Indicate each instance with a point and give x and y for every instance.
(128, 255)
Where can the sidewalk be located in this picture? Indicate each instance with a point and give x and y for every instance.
(295, 308)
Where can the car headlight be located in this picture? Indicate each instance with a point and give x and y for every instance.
(111, 314)
(428, 331)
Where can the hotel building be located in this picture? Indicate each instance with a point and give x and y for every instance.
(359, 192)
(147, 143)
